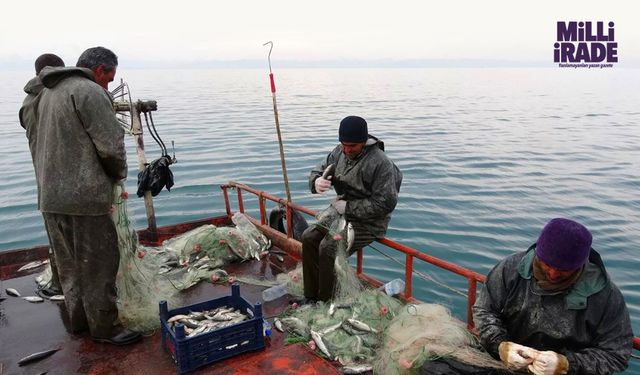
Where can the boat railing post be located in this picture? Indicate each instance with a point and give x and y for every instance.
(263, 210)
(289, 220)
(240, 202)
(471, 300)
(226, 199)
(408, 276)
(360, 259)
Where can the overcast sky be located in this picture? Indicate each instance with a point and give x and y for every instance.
(188, 31)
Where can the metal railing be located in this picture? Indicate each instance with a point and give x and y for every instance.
(473, 278)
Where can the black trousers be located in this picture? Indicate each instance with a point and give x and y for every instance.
(87, 259)
(318, 257)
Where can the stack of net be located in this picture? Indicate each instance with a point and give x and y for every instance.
(365, 328)
(148, 275)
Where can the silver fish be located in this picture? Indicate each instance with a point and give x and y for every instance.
(197, 315)
(197, 331)
(37, 356)
(57, 297)
(361, 326)
(278, 324)
(352, 331)
(356, 369)
(319, 343)
(351, 235)
(332, 309)
(328, 171)
(330, 329)
(190, 323)
(175, 318)
(12, 292)
(33, 299)
(31, 265)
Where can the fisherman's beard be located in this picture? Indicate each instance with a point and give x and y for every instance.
(553, 286)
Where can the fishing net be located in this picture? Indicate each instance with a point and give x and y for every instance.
(426, 332)
(147, 275)
(150, 274)
(364, 328)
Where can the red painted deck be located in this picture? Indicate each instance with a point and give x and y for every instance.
(27, 327)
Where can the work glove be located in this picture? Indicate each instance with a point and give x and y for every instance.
(549, 363)
(516, 356)
(322, 184)
(339, 205)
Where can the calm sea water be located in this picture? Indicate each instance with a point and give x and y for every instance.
(488, 156)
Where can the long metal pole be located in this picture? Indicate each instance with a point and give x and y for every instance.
(142, 160)
(275, 112)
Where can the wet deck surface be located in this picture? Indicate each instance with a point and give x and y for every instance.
(27, 327)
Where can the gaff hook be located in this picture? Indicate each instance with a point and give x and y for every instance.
(270, 49)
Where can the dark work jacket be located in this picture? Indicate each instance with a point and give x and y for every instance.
(28, 114)
(589, 323)
(77, 144)
(370, 184)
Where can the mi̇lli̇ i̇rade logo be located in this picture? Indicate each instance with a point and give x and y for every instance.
(585, 45)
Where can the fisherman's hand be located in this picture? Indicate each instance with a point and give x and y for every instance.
(339, 205)
(549, 363)
(516, 356)
(322, 184)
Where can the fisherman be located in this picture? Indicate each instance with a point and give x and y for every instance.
(78, 155)
(29, 121)
(553, 309)
(367, 183)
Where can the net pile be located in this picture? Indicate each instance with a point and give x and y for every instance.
(365, 329)
(147, 275)
(426, 332)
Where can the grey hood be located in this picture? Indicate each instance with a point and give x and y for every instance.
(34, 86)
(51, 76)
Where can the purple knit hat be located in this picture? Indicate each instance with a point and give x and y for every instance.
(564, 244)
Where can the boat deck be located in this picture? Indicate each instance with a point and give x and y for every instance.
(26, 328)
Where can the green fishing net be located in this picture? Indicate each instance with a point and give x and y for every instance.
(426, 332)
(365, 328)
(147, 275)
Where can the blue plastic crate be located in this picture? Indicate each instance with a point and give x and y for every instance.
(191, 353)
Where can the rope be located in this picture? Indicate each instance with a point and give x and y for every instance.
(422, 275)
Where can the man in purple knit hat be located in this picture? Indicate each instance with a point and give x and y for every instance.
(553, 309)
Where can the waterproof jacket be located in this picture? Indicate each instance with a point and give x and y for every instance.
(589, 323)
(77, 143)
(370, 184)
(28, 111)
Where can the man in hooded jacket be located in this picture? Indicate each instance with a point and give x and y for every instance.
(553, 309)
(28, 116)
(367, 183)
(78, 154)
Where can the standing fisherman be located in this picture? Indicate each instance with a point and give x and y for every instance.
(79, 154)
(29, 120)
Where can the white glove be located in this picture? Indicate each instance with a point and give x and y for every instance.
(339, 205)
(516, 356)
(549, 363)
(322, 184)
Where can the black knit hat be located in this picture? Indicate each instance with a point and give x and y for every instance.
(353, 129)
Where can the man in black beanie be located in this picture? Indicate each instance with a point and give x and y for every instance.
(367, 183)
